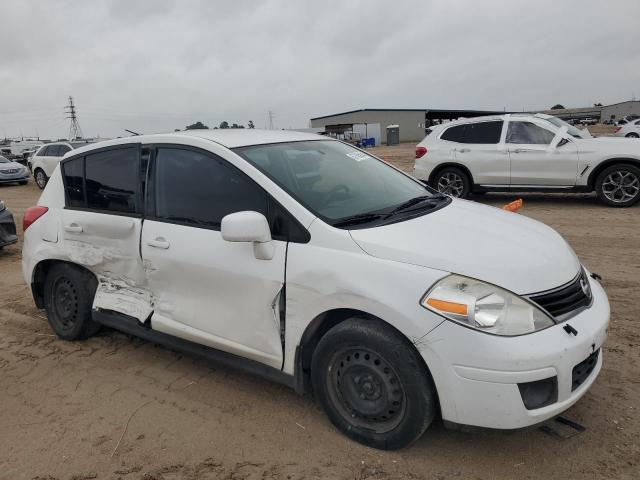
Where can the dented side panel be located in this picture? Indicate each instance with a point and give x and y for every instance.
(108, 245)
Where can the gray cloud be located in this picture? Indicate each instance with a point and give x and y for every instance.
(158, 65)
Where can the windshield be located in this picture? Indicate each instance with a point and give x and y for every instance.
(339, 183)
(571, 130)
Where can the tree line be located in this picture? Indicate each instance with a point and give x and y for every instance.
(224, 124)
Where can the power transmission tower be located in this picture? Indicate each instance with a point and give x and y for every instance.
(271, 115)
(74, 129)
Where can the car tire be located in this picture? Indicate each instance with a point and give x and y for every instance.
(619, 185)
(452, 181)
(68, 297)
(373, 384)
(40, 177)
(632, 135)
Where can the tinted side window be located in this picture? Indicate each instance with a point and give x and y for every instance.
(54, 151)
(483, 132)
(112, 180)
(195, 188)
(45, 151)
(73, 173)
(453, 134)
(529, 133)
(62, 149)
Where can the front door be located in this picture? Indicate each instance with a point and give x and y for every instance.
(204, 288)
(535, 162)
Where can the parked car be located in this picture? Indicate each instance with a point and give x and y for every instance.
(45, 160)
(589, 121)
(516, 152)
(631, 129)
(320, 266)
(12, 172)
(7, 227)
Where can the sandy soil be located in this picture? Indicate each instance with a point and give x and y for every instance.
(118, 407)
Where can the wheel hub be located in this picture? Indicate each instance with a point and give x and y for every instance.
(366, 389)
(65, 302)
(621, 186)
(451, 184)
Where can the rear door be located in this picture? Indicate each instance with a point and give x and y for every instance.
(535, 161)
(101, 226)
(479, 148)
(206, 289)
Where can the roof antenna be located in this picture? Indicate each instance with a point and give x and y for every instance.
(132, 132)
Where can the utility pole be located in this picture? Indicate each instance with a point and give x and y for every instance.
(271, 115)
(74, 128)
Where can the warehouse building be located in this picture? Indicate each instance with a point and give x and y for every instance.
(411, 122)
(601, 113)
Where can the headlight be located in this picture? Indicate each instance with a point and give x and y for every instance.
(484, 307)
(2, 206)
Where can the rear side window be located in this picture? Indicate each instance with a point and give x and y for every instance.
(54, 151)
(479, 133)
(198, 189)
(454, 134)
(528, 133)
(73, 174)
(44, 151)
(62, 149)
(113, 180)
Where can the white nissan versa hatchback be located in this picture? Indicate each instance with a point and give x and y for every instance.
(318, 265)
(523, 152)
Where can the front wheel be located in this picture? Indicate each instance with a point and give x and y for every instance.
(632, 135)
(373, 384)
(619, 185)
(40, 178)
(452, 181)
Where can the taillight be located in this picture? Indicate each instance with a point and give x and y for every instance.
(421, 152)
(617, 129)
(32, 214)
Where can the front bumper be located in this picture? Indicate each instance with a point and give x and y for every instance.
(477, 374)
(23, 177)
(7, 229)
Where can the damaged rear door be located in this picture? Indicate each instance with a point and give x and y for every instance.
(102, 223)
(206, 289)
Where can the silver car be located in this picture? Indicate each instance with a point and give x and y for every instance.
(12, 172)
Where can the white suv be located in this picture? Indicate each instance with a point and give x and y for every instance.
(44, 161)
(317, 265)
(631, 129)
(516, 152)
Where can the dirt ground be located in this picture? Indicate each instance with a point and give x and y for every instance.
(118, 407)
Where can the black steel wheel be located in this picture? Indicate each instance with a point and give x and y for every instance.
(373, 384)
(68, 297)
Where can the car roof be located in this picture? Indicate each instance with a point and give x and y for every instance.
(227, 137)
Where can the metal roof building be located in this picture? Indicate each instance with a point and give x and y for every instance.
(412, 121)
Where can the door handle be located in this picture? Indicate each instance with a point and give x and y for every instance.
(73, 228)
(463, 150)
(523, 150)
(158, 242)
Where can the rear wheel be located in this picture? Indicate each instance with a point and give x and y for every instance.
(40, 178)
(619, 185)
(452, 181)
(372, 384)
(632, 135)
(68, 297)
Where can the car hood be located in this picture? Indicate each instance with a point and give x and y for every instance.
(613, 144)
(10, 166)
(485, 243)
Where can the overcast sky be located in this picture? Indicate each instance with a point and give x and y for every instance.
(153, 66)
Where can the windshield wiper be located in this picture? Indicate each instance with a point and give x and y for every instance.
(359, 218)
(417, 200)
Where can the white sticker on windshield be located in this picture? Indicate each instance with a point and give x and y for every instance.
(358, 156)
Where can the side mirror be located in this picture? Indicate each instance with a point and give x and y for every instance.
(249, 227)
(558, 139)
